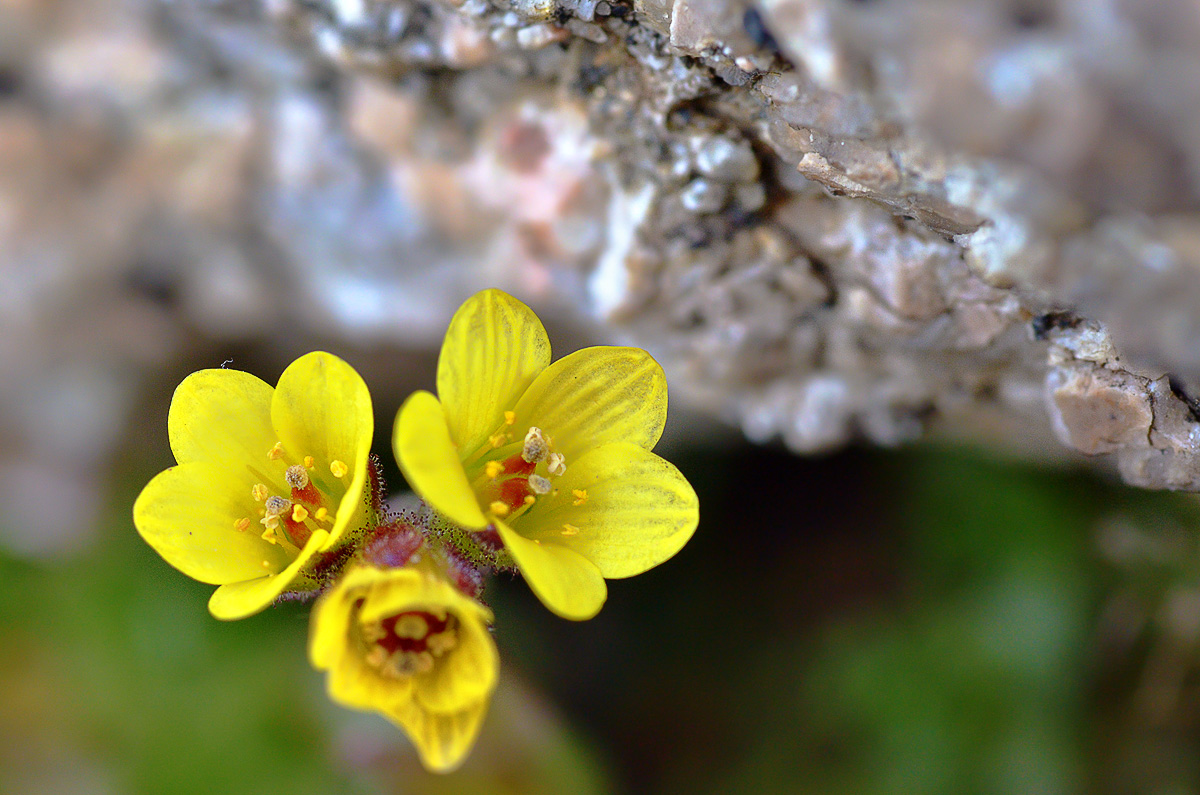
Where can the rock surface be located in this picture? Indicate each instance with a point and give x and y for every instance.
(829, 220)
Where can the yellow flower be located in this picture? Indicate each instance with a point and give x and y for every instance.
(408, 644)
(267, 479)
(555, 457)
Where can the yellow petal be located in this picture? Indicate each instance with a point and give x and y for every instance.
(640, 510)
(468, 672)
(442, 739)
(597, 395)
(328, 632)
(332, 614)
(366, 594)
(414, 587)
(353, 683)
(187, 514)
(430, 462)
(241, 599)
(220, 415)
(333, 646)
(494, 348)
(322, 408)
(566, 582)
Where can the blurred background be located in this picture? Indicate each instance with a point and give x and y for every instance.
(195, 183)
(934, 620)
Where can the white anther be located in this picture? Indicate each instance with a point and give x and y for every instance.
(296, 476)
(536, 447)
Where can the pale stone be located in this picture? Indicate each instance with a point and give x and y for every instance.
(1097, 411)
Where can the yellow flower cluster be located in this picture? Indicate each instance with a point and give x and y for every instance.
(555, 457)
(527, 464)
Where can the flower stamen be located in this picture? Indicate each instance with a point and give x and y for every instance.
(536, 446)
(303, 488)
(271, 537)
(513, 492)
(297, 476)
(441, 642)
(259, 492)
(276, 505)
(411, 626)
(281, 508)
(276, 452)
(409, 643)
(580, 496)
(338, 468)
(373, 632)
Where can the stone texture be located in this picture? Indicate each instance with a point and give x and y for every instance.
(830, 221)
(1098, 411)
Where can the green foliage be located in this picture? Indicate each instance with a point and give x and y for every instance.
(976, 683)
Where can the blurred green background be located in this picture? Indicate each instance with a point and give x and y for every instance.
(933, 620)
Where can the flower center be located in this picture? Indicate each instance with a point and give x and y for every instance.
(409, 643)
(510, 486)
(293, 505)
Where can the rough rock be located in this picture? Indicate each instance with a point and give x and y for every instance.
(830, 221)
